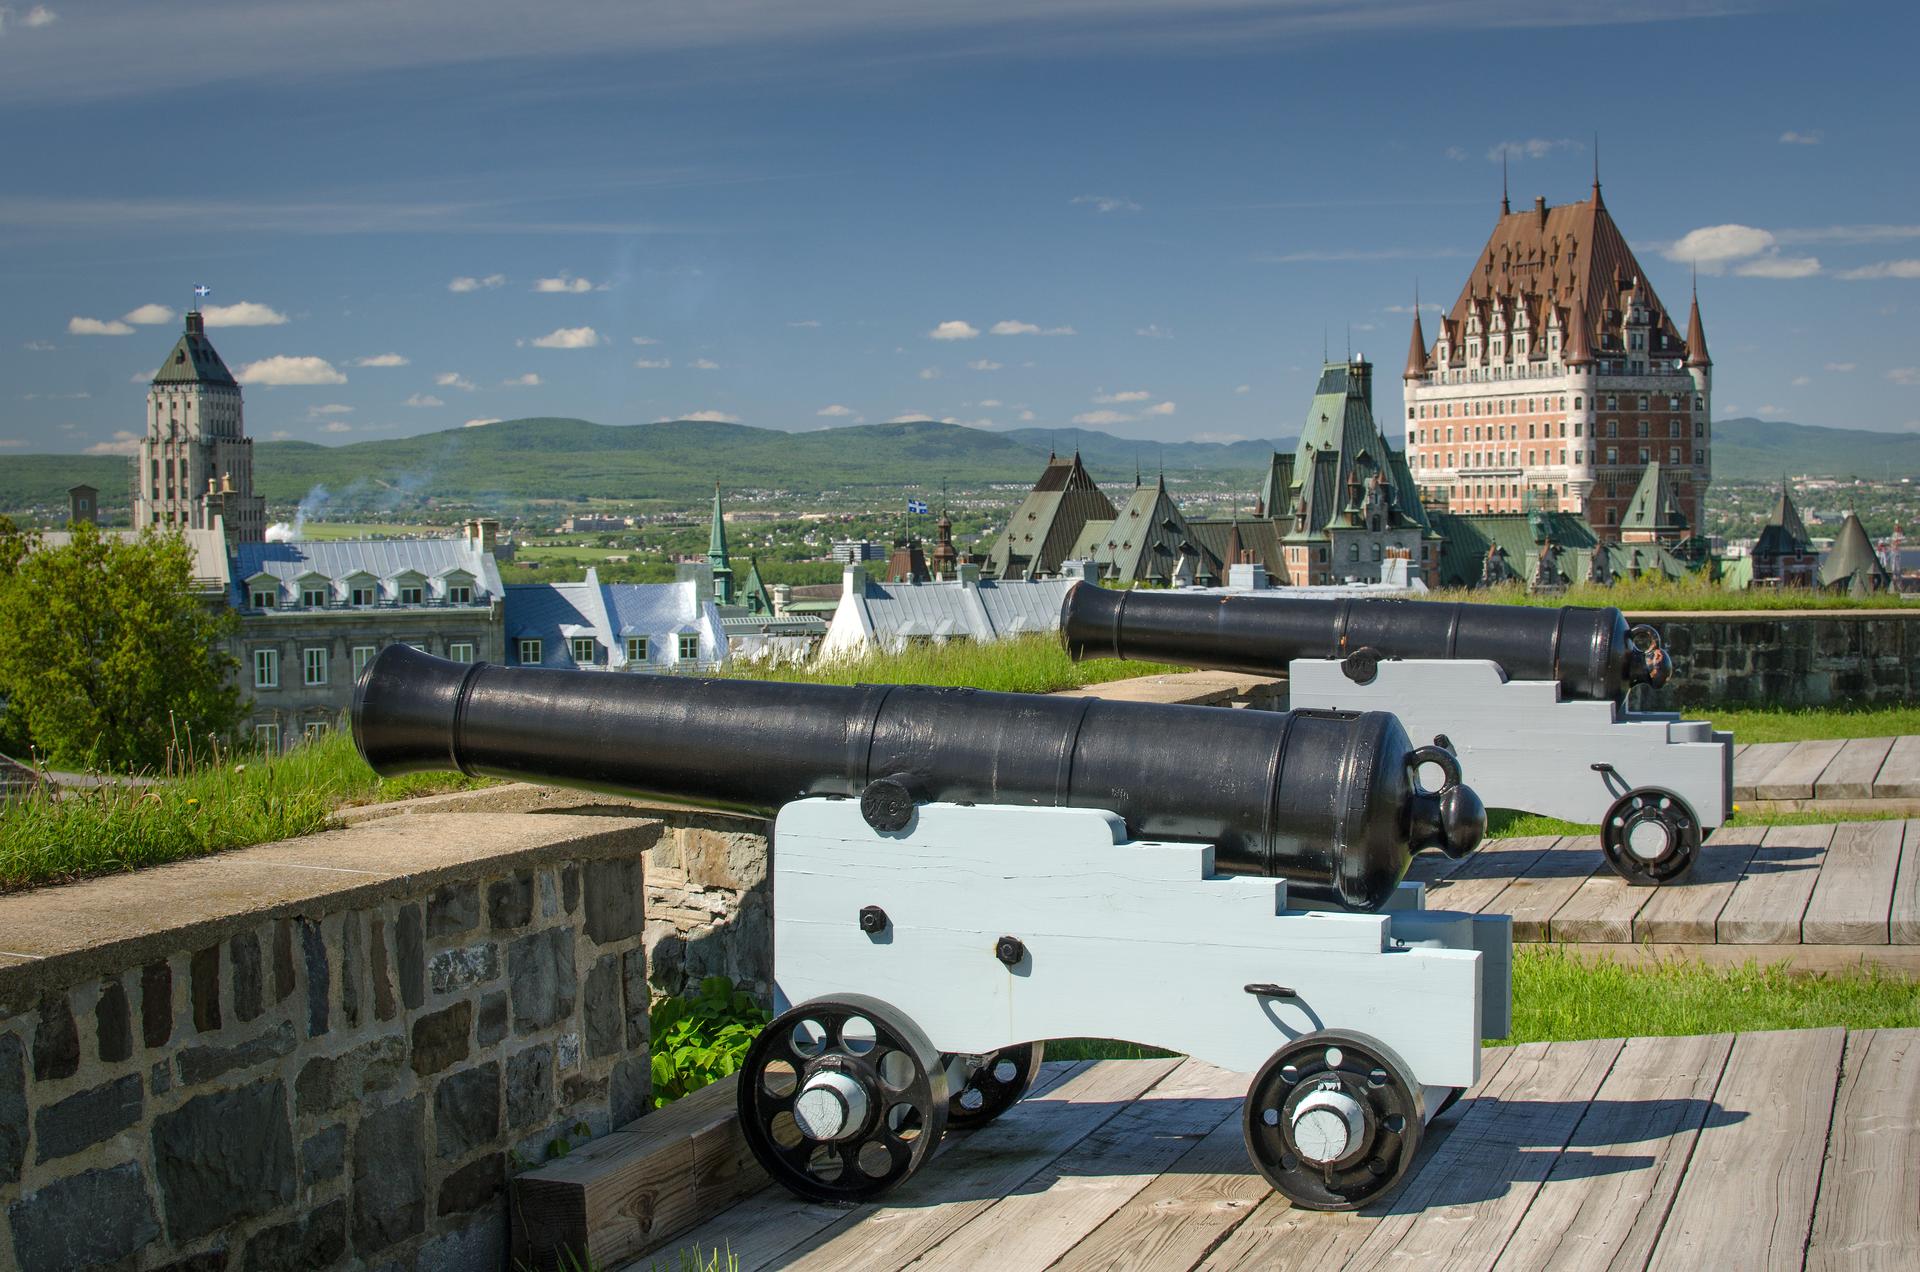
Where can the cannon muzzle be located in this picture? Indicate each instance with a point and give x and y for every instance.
(1329, 800)
(1592, 653)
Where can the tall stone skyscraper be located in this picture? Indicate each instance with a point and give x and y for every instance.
(196, 461)
(1558, 377)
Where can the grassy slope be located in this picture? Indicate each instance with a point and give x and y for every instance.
(1025, 664)
(1657, 595)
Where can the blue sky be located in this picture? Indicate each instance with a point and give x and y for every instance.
(1139, 215)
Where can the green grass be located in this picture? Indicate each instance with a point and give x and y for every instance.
(1505, 823)
(223, 801)
(1024, 664)
(1657, 594)
(1558, 997)
(1755, 722)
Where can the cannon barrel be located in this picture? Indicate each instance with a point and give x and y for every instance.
(1328, 800)
(1591, 652)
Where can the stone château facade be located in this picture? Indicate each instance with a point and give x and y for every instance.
(195, 462)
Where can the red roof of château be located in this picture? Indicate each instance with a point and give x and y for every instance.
(1696, 338)
(1417, 350)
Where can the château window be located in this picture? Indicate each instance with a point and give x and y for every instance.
(1643, 401)
(582, 649)
(1699, 428)
(314, 597)
(314, 665)
(1576, 402)
(1699, 456)
(1645, 455)
(689, 647)
(264, 598)
(1699, 402)
(363, 595)
(266, 737)
(460, 651)
(636, 649)
(1613, 454)
(313, 730)
(411, 594)
(529, 649)
(460, 593)
(1613, 402)
(362, 655)
(1643, 428)
(266, 669)
(1673, 454)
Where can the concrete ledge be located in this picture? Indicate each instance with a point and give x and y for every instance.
(1188, 688)
(58, 936)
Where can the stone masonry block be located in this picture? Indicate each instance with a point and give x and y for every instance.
(615, 905)
(541, 979)
(473, 1185)
(510, 901)
(313, 949)
(323, 1155)
(224, 1157)
(569, 887)
(352, 965)
(56, 1040)
(462, 966)
(283, 979)
(205, 1063)
(466, 1111)
(411, 957)
(203, 988)
(13, 1107)
(243, 951)
(530, 1086)
(85, 1220)
(113, 1022)
(85, 1118)
(327, 1083)
(606, 1023)
(440, 1038)
(490, 1026)
(389, 1176)
(631, 1089)
(633, 984)
(314, 1240)
(453, 909)
(380, 972)
(156, 1003)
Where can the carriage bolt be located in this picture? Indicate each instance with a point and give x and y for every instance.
(831, 1106)
(1327, 1125)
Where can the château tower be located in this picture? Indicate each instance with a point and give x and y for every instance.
(195, 461)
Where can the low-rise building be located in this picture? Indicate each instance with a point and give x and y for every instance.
(887, 617)
(634, 627)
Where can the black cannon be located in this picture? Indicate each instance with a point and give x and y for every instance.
(1328, 800)
(1590, 653)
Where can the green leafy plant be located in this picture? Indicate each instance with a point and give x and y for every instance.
(701, 1038)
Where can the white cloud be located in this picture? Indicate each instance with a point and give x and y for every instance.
(279, 435)
(1802, 137)
(1843, 367)
(150, 315)
(1408, 309)
(1224, 439)
(704, 364)
(78, 326)
(1531, 148)
(568, 338)
(929, 373)
(39, 16)
(453, 380)
(987, 404)
(338, 426)
(701, 417)
(1027, 417)
(469, 284)
(1154, 331)
(1801, 381)
(531, 380)
(1775, 266)
(983, 364)
(1905, 375)
(1108, 202)
(39, 346)
(954, 329)
(805, 322)
(1098, 418)
(645, 340)
(909, 417)
(1455, 153)
(653, 364)
(566, 284)
(1243, 388)
(245, 313)
(123, 443)
(1129, 395)
(836, 411)
(382, 360)
(1014, 327)
(423, 399)
(331, 408)
(1909, 268)
(1162, 408)
(286, 369)
(481, 423)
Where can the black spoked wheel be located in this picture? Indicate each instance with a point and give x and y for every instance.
(840, 1099)
(992, 1086)
(1333, 1120)
(1650, 837)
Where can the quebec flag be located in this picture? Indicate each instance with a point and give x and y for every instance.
(917, 507)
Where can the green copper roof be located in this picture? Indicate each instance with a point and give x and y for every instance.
(1853, 566)
(193, 360)
(717, 554)
(1342, 451)
(1654, 507)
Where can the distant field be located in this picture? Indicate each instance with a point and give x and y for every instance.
(1657, 595)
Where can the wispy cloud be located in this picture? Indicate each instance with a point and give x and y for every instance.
(1531, 148)
(453, 380)
(123, 443)
(805, 322)
(954, 329)
(150, 315)
(336, 426)
(1154, 331)
(1243, 388)
(78, 326)
(1107, 202)
(653, 364)
(1127, 395)
(836, 411)
(645, 340)
(423, 400)
(565, 284)
(984, 364)
(1802, 137)
(929, 373)
(1904, 375)
(1162, 408)
(382, 360)
(481, 423)
(39, 346)
(1908, 268)
(1774, 266)
(701, 417)
(1751, 252)
(704, 364)
(531, 380)
(1014, 327)
(1098, 419)
(287, 370)
(467, 283)
(245, 313)
(568, 338)
(330, 408)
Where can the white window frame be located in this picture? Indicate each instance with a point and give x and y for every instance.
(313, 597)
(262, 598)
(460, 651)
(460, 593)
(313, 730)
(362, 655)
(413, 593)
(529, 650)
(637, 649)
(266, 669)
(313, 665)
(364, 594)
(266, 737)
(688, 647)
(584, 649)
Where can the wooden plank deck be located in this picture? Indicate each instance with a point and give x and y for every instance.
(1851, 775)
(1762, 1150)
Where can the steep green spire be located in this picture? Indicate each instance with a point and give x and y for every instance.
(717, 553)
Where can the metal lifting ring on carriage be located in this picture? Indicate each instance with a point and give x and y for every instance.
(840, 1099)
(1650, 837)
(1333, 1120)
(984, 1087)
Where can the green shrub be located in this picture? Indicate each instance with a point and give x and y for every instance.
(701, 1038)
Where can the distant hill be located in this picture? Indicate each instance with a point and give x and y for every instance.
(521, 461)
(1747, 449)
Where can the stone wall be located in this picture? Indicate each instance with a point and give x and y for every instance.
(1791, 658)
(326, 1053)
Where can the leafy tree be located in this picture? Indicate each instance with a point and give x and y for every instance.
(106, 654)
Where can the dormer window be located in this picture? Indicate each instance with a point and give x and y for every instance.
(582, 648)
(460, 593)
(313, 597)
(264, 597)
(411, 594)
(363, 594)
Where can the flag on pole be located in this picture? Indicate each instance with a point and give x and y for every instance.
(917, 507)
(203, 291)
